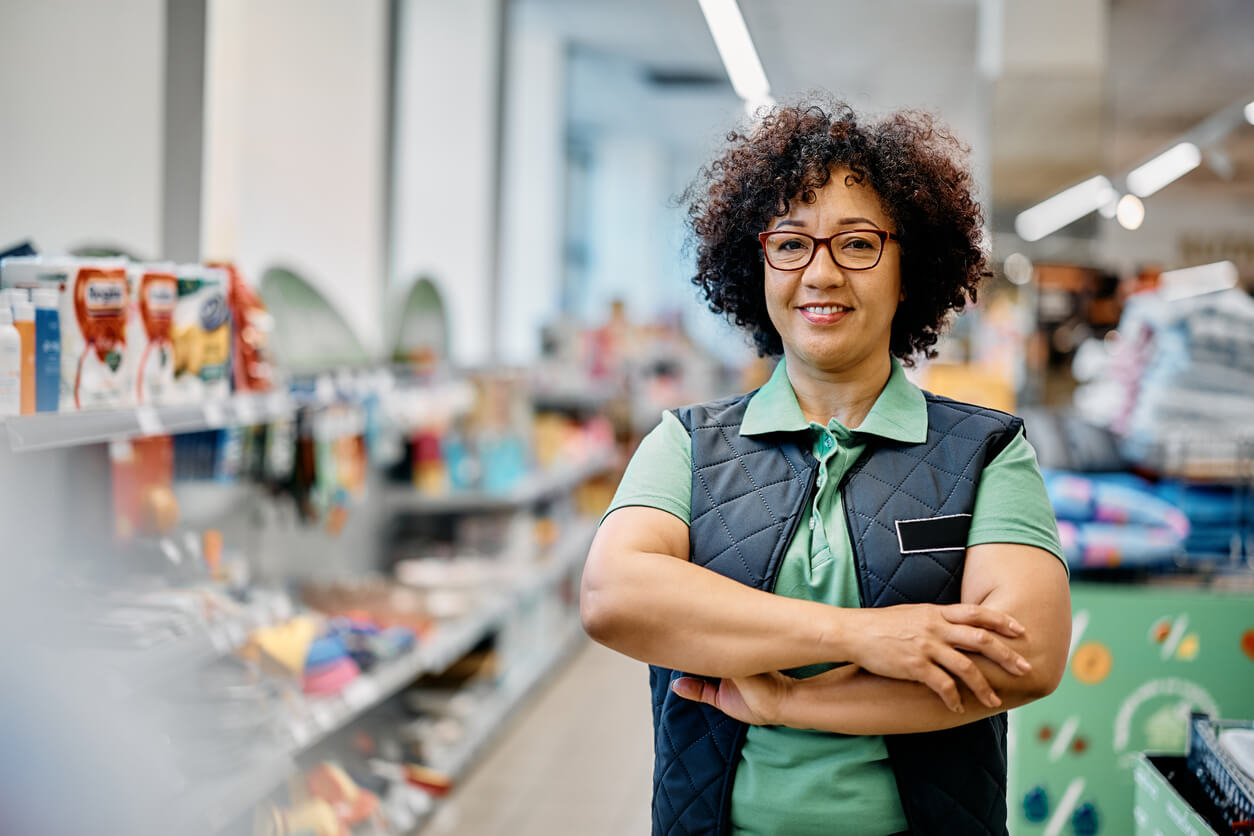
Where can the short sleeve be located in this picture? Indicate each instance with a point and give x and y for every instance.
(1011, 505)
(659, 475)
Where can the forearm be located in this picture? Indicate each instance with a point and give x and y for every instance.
(669, 612)
(848, 700)
(1035, 592)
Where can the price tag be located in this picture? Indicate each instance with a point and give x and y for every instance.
(277, 404)
(246, 411)
(323, 715)
(220, 640)
(235, 634)
(301, 732)
(215, 415)
(149, 421)
(360, 693)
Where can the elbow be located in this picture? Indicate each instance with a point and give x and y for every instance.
(1045, 677)
(597, 609)
(593, 614)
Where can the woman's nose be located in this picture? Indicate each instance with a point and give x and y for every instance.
(823, 271)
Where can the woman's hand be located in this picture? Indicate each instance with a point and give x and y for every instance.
(921, 642)
(754, 700)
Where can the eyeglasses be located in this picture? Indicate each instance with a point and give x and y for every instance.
(853, 249)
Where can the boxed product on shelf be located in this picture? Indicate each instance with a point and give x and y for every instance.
(93, 313)
(202, 334)
(152, 331)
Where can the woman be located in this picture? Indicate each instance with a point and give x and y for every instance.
(841, 582)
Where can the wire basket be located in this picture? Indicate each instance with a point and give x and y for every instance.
(1225, 784)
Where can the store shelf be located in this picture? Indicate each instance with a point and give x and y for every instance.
(326, 715)
(504, 706)
(529, 491)
(570, 552)
(48, 431)
(329, 714)
(452, 641)
(215, 805)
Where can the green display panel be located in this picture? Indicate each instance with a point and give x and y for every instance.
(1142, 658)
(1158, 809)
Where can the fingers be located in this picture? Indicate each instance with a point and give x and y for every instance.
(961, 666)
(989, 646)
(697, 690)
(977, 616)
(943, 684)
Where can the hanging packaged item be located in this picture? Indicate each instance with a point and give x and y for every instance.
(201, 335)
(152, 330)
(252, 357)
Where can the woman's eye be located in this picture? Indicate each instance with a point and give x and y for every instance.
(858, 244)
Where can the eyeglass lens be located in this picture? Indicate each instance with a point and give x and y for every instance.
(853, 250)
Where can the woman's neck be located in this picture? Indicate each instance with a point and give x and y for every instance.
(846, 396)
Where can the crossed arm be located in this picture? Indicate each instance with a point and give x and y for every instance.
(911, 668)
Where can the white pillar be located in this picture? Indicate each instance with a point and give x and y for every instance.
(296, 146)
(533, 189)
(445, 195)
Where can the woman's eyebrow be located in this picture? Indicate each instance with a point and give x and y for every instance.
(841, 222)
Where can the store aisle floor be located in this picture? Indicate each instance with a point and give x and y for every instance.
(577, 760)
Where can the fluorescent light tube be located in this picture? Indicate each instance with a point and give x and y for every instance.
(1194, 281)
(1170, 165)
(735, 47)
(1069, 205)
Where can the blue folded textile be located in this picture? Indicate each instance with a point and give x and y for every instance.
(1093, 545)
(1115, 498)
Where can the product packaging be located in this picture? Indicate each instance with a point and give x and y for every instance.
(10, 365)
(202, 335)
(151, 331)
(24, 321)
(93, 305)
(47, 303)
(252, 356)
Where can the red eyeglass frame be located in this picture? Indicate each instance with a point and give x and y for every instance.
(884, 235)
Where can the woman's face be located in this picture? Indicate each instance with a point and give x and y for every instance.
(829, 318)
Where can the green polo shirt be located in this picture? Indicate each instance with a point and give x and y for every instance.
(798, 781)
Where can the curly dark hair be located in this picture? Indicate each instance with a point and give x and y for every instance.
(913, 163)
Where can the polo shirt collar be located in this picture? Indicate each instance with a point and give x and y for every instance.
(899, 413)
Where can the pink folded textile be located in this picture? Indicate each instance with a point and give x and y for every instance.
(330, 678)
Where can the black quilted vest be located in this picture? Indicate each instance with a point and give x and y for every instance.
(749, 493)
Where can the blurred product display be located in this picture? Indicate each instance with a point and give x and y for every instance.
(327, 331)
(286, 698)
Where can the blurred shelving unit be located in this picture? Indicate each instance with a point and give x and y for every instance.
(50, 431)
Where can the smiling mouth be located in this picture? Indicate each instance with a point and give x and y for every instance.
(825, 310)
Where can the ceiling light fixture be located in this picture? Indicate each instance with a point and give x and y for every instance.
(735, 47)
(1194, 281)
(1018, 268)
(1249, 113)
(1069, 205)
(1130, 212)
(1170, 165)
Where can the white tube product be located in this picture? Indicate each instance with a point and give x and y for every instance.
(10, 365)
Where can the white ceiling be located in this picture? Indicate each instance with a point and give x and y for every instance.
(1083, 85)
